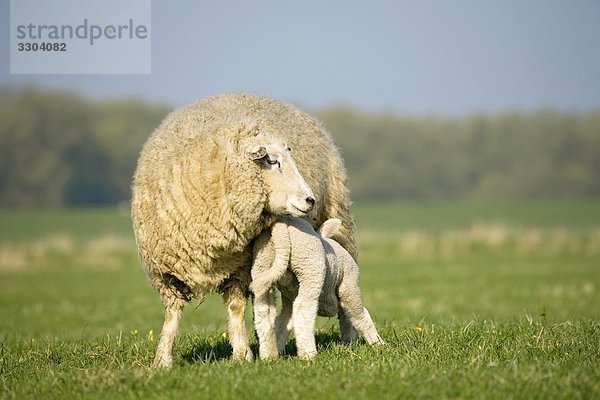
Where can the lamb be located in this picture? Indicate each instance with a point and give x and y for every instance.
(210, 178)
(315, 276)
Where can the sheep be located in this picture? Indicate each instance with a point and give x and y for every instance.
(316, 276)
(211, 177)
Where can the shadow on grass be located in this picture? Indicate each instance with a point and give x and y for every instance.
(323, 339)
(208, 350)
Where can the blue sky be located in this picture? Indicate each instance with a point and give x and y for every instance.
(415, 57)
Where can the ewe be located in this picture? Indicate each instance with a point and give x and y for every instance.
(315, 276)
(211, 177)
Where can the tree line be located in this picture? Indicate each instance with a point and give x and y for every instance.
(59, 149)
(545, 154)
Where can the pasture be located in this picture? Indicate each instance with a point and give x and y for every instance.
(474, 301)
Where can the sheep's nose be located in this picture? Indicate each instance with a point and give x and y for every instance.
(311, 201)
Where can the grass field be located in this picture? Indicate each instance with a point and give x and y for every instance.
(474, 301)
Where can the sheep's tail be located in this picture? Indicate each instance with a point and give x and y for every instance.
(264, 280)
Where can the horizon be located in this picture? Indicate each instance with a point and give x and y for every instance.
(426, 58)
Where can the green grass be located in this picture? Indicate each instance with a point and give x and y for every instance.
(81, 223)
(474, 301)
(389, 216)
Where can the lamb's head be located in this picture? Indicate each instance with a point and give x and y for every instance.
(287, 191)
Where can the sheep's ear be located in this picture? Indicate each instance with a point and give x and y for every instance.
(330, 227)
(256, 152)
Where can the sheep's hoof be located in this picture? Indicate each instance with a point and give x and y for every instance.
(269, 356)
(161, 363)
(242, 355)
(307, 356)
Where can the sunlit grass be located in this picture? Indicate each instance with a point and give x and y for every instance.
(473, 307)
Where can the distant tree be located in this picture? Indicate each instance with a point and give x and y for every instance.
(510, 156)
(120, 127)
(59, 149)
(37, 131)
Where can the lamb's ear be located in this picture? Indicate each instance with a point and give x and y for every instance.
(330, 227)
(256, 152)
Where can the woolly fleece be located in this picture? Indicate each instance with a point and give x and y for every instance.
(198, 202)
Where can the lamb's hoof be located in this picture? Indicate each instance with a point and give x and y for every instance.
(376, 341)
(349, 338)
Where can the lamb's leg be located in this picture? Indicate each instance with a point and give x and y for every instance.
(347, 331)
(366, 327)
(351, 305)
(264, 323)
(283, 322)
(235, 298)
(304, 316)
(164, 351)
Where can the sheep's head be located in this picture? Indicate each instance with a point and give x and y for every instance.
(287, 191)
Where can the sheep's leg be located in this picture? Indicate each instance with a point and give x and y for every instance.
(164, 351)
(235, 298)
(347, 330)
(264, 323)
(351, 304)
(283, 322)
(304, 316)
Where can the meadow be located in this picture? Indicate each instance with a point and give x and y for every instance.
(474, 300)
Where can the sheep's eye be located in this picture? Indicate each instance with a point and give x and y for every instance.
(289, 149)
(272, 162)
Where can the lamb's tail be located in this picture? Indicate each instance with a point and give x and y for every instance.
(265, 279)
(330, 227)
